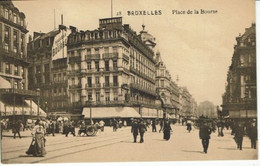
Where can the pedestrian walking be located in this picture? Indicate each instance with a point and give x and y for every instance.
(142, 130)
(134, 129)
(167, 130)
(115, 125)
(154, 125)
(239, 134)
(220, 126)
(52, 127)
(204, 134)
(16, 128)
(70, 129)
(189, 125)
(37, 147)
(252, 134)
(161, 125)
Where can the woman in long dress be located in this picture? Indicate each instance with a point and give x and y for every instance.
(38, 136)
(167, 130)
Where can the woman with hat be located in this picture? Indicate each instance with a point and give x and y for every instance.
(167, 130)
(39, 139)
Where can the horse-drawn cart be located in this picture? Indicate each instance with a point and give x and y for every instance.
(88, 130)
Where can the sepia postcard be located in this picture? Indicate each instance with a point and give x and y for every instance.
(134, 81)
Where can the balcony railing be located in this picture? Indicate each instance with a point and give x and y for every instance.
(107, 85)
(110, 55)
(17, 56)
(75, 86)
(90, 85)
(110, 69)
(141, 88)
(19, 92)
(92, 56)
(75, 59)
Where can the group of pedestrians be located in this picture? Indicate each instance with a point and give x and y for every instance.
(140, 127)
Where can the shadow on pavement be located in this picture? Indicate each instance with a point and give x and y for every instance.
(193, 151)
(228, 148)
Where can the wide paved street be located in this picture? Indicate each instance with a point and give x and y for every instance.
(111, 146)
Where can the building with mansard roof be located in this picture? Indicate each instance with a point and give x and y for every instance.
(48, 69)
(112, 67)
(167, 90)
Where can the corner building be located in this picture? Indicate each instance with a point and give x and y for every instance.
(111, 71)
(17, 102)
(240, 97)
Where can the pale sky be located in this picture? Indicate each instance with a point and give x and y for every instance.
(198, 48)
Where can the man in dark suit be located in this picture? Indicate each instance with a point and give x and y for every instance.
(252, 134)
(204, 134)
(134, 129)
(239, 134)
(142, 130)
(16, 128)
(154, 125)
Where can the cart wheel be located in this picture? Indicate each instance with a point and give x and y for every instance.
(90, 131)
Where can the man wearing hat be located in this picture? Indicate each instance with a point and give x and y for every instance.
(142, 130)
(252, 133)
(134, 129)
(204, 134)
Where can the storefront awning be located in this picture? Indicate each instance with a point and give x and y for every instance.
(28, 109)
(4, 83)
(110, 112)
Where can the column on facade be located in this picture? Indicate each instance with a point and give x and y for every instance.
(83, 78)
(101, 62)
(12, 38)
(120, 57)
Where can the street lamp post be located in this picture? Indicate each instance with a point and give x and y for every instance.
(90, 112)
(38, 102)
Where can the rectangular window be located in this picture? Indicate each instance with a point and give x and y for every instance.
(8, 68)
(6, 14)
(115, 96)
(115, 81)
(97, 65)
(106, 65)
(88, 65)
(106, 80)
(22, 44)
(89, 81)
(97, 80)
(97, 96)
(16, 70)
(162, 83)
(115, 64)
(107, 96)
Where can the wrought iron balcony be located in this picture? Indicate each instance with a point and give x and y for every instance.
(92, 56)
(110, 55)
